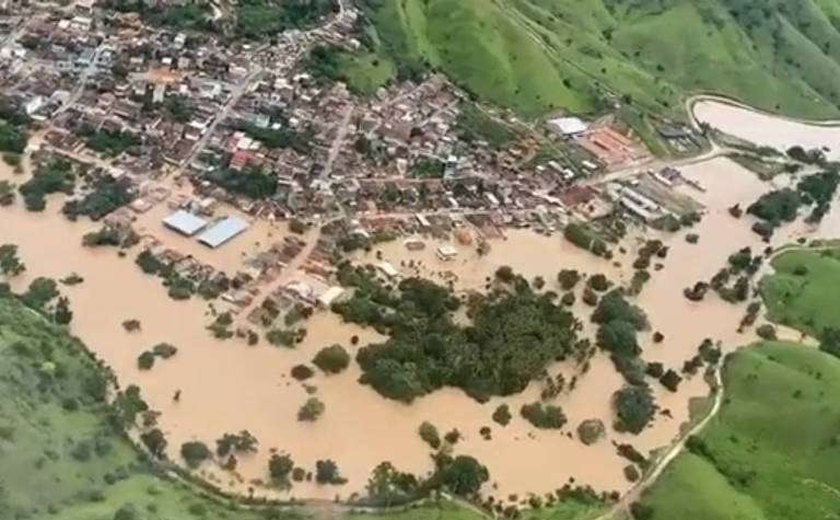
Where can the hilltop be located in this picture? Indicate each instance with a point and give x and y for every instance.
(538, 56)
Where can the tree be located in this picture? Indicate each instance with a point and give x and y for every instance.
(670, 380)
(164, 350)
(568, 278)
(766, 331)
(155, 442)
(10, 264)
(590, 431)
(543, 416)
(462, 475)
(126, 512)
(242, 442)
(40, 292)
(63, 315)
(598, 282)
(302, 372)
(326, 472)
(146, 360)
(311, 410)
(619, 337)
(613, 306)
(502, 414)
(505, 274)
(429, 433)
(194, 453)
(634, 407)
(280, 467)
(332, 359)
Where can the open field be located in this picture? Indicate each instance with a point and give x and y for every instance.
(802, 291)
(772, 451)
(537, 56)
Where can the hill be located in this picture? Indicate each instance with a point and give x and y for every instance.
(537, 56)
(773, 451)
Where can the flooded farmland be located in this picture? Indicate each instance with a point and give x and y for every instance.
(227, 386)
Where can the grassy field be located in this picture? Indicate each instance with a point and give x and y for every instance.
(537, 56)
(803, 291)
(773, 451)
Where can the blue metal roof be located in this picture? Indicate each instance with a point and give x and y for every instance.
(223, 231)
(185, 222)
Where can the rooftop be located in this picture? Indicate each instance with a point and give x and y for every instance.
(222, 231)
(185, 222)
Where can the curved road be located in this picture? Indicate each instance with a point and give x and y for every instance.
(676, 447)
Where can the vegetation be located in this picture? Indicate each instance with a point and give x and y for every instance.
(429, 433)
(476, 125)
(110, 143)
(543, 416)
(773, 439)
(258, 19)
(107, 195)
(53, 176)
(10, 263)
(311, 410)
(634, 408)
(251, 182)
(194, 453)
(583, 236)
(502, 415)
(332, 359)
(514, 334)
(64, 442)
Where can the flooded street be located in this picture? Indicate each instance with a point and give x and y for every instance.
(227, 386)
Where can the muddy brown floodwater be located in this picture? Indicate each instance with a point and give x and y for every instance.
(766, 129)
(227, 386)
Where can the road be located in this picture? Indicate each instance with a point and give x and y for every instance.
(623, 505)
(83, 78)
(338, 141)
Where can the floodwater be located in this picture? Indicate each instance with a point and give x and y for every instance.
(227, 386)
(766, 129)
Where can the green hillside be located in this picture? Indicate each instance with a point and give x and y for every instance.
(773, 451)
(536, 56)
(802, 291)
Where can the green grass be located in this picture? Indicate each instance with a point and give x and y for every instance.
(366, 71)
(809, 301)
(537, 56)
(773, 451)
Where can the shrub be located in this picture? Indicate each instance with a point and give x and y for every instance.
(670, 380)
(146, 360)
(280, 467)
(326, 472)
(543, 416)
(568, 278)
(590, 431)
(766, 331)
(164, 350)
(302, 372)
(429, 433)
(194, 453)
(332, 359)
(502, 414)
(598, 282)
(634, 407)
(311, 410)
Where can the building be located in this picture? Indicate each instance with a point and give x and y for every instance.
(446, 252)
(184, 223)
(223, 231)
(568, 126)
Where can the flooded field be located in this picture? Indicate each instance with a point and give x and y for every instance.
(227, 386)
(766, 129)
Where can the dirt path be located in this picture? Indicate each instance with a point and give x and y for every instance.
(622, 507)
